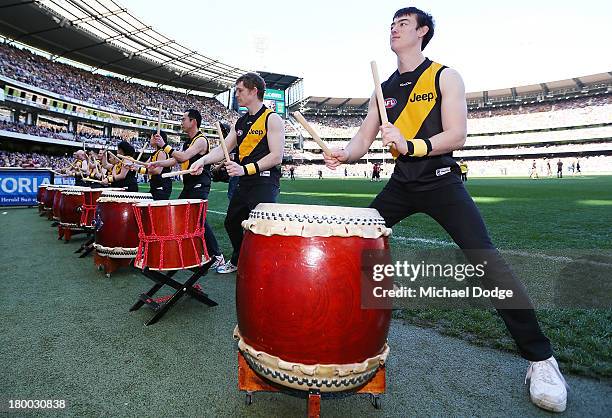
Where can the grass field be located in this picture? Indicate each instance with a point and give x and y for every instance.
(537, 224)
(66, 332)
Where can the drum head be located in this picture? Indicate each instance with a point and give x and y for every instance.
(121, 196)
(315, 221)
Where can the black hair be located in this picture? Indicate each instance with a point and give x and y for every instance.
(422, 19)
(252, 80)
(194, 114)
(127, 148)
(225, 129)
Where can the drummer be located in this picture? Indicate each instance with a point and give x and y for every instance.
(194, 186)
(79, 168)
(259, 136)
(119, 174)
(161, 188)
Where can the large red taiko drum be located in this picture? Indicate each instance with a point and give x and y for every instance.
(171, 234)
(40, 197)
(116, 229)
(70, 207)
(298, 296)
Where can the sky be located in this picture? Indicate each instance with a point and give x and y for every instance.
(330, 43)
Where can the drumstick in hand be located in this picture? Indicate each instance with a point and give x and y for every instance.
(298, 116)
(176, 173)
(380, 99)
(222, 140)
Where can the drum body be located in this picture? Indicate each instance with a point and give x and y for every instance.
(57, 196)
(116, 233)
(171, 234)
(70, 207)
(298, 296)
(40, 197)
(88, 212)
(48, 198)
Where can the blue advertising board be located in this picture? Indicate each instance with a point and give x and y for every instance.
(18, 187)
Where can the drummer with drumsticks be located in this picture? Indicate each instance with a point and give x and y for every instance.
(259, 136)
(79, 168)
(119, 173)
(195, 186)
(161, 187)
(421, 112)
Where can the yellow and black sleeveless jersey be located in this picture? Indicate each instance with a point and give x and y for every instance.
(156, 180)
(252, 135)
(413, 102)
(204, 178)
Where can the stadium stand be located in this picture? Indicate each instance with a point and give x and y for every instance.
(58, 104)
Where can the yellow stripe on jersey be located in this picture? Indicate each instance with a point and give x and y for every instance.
(422, 100)
(118, 167)
(256, 133)
(185, 164)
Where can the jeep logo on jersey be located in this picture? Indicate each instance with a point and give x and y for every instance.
(426, 97)
(390, 103)
(256, 132)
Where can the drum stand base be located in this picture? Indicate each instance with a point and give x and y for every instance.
(87, 247)
(110, 265)
(67, 233)
(251, 382)
(161, 279)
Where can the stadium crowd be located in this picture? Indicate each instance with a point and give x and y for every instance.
(106, 91)
(84, 134)
(34, 160)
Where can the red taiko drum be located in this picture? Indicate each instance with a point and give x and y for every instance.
(116, 229)
(70, 207)
(57, 197)
(40, 197)
(88, 211)
(171, 234)
(298, 296)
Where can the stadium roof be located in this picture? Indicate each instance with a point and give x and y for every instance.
(315, 104)
(103, 35)
(278, 81)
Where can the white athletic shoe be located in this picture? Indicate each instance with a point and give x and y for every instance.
(547, 387)
(226, 268)
(218, 262)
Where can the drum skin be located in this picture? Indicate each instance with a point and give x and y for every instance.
(89, 207)
(70, 205)
(165, 221)
(299, 298)
(115, 225)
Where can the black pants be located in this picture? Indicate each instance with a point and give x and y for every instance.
(161, 192)
(209, 236)
(245, 198)
(453, 208)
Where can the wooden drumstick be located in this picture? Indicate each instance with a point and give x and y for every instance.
(222, 140)
(127, 157)
(91, 180)
(159, 119)
(380, 99)
(298, 116)
(176, 173)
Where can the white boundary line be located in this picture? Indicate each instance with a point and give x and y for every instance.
(452, 244)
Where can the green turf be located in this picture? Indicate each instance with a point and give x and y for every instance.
(66, 327)
(552, 217)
